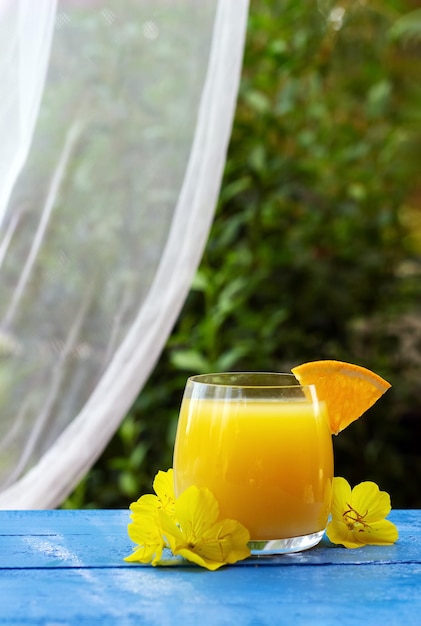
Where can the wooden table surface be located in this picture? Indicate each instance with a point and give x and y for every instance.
(66, 567)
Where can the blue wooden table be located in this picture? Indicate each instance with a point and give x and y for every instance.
(66, 567)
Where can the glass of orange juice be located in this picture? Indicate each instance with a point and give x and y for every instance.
(262, 445)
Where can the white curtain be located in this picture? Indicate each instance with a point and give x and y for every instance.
(115, 119)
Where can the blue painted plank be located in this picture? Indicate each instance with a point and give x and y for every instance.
(99, 539)
(52, 521)
(63, 538)
(348, 595)
(65, 567)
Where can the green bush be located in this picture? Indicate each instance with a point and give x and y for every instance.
(314, 252)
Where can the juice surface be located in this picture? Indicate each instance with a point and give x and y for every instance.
(269, 464)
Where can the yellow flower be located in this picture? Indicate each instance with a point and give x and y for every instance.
(187, 525)
(164, 499)
(196, 534)
(358, 515)
(145, 531)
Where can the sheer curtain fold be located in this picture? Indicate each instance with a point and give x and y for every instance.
(25, 37)
(106, 222)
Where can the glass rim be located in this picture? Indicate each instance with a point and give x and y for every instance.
(201, 379)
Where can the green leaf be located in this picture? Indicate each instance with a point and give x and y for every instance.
(407, 27)
(189, 360)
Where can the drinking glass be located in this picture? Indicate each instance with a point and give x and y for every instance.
(262, 445)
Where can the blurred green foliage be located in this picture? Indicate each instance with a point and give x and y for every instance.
(315, 251)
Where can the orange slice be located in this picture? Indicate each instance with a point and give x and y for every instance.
(348, 390)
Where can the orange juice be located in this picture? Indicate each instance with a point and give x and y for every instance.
(269, 463)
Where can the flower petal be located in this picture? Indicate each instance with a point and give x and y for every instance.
(163, 485)
(196, 538)
(146, 533)
(382, 533)
(191, 555)
(146, 554)
(164, 499)
(370, 502)
(378, 533)
(226, 541)
(146, 504)
(339, 533)
(341, 497)
(196, 510)
(172, 533)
